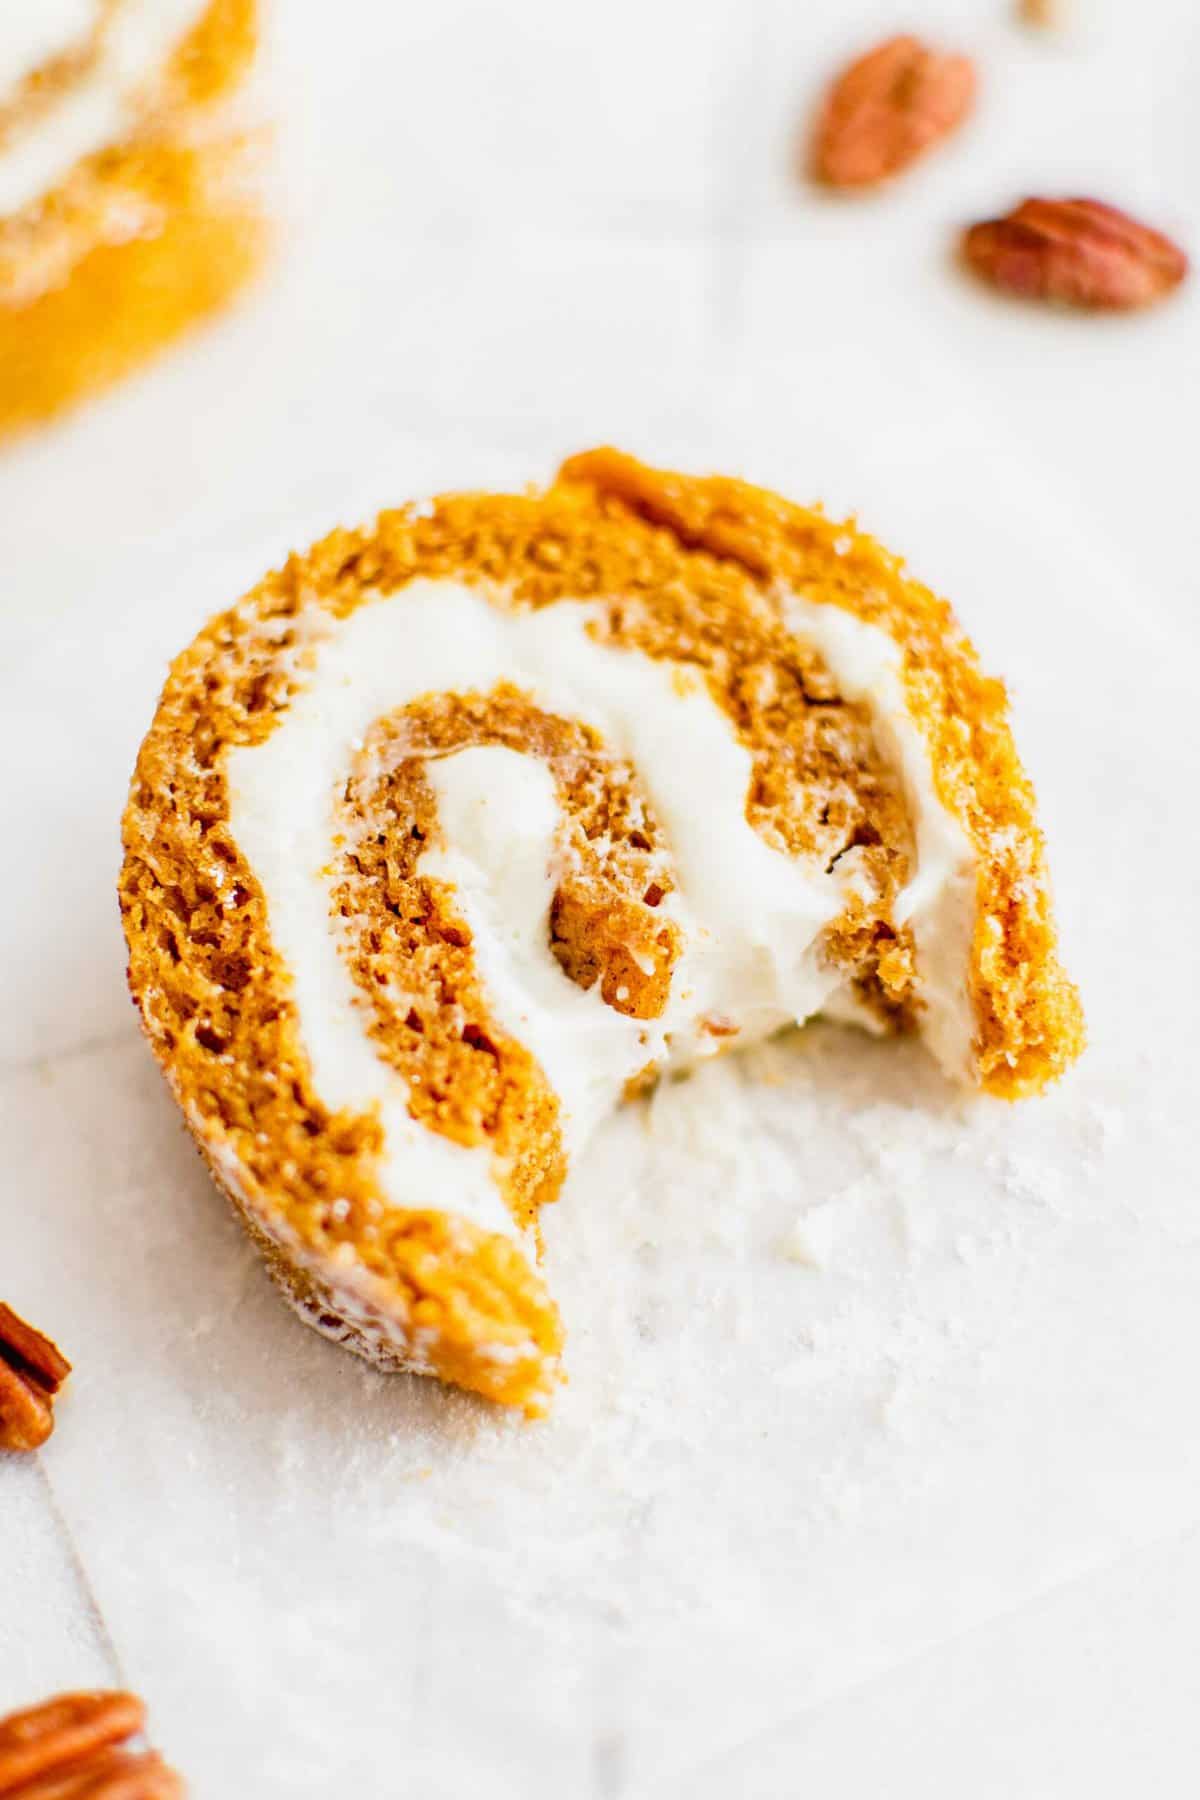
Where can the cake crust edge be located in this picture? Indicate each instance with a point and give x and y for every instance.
(466, 1304)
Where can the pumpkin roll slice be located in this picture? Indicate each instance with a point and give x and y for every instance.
(459, 828)
(128, 203)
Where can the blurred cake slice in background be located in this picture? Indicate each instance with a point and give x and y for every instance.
(127, 199)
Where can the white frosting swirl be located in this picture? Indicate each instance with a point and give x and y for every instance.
(751, 916)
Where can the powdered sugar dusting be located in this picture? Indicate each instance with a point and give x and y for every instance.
(764, 1481)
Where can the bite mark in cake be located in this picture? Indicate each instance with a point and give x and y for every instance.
(460, 828)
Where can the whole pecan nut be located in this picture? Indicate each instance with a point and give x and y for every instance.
(112, 1775)
(888, 108)
(1075, 252)
(70, 1748)
(65, 1729)
(32, 1369)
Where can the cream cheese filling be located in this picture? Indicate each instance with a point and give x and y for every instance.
(751, 916)
(34, 32)
(100, 107)
(939, 902)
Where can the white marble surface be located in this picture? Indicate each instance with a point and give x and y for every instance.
(920, 1522)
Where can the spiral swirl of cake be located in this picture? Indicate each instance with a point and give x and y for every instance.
(127, 205)
(458, 829)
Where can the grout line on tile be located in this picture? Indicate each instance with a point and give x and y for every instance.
(11, 1067)
(90, 1604)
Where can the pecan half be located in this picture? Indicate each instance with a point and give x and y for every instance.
(113, 1775)
(887, 109)
(1075, 252)
(32, 1369)
(1042, 14)
(68, 1748)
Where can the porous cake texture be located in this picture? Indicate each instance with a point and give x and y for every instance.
(460, 827)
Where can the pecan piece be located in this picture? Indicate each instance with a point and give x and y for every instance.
(719, 1027)
(32, 1369)
(1076, 252)
(64, 1730)
(112, 1775)
(1042, 14)
(887, 109)
(70, 1748)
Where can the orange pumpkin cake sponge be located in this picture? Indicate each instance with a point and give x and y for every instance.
(461, 827)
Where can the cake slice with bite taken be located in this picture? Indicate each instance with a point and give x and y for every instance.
(461, 827)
